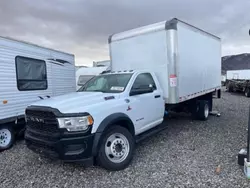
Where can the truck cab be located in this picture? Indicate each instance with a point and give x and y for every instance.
(101, 121)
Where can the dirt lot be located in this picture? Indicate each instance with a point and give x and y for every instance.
(184, 155)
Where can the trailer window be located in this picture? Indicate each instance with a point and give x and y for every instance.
(31, 74)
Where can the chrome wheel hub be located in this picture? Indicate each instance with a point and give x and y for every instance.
(117, 148)
(5, 137)
(206, 111)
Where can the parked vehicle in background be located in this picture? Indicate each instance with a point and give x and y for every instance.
(85, 74)
(29, 73)
(105, 63)
(223, 80)
(80, 66)
(167, 66)
(238, 80)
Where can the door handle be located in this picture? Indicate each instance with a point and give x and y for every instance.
(157, 96)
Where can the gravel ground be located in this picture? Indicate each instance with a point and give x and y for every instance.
(184, 155)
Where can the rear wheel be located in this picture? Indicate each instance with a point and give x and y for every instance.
(230, 87)
(6, 137)
(116, 150)
(201, 110)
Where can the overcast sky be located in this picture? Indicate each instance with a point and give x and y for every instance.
(82, 27)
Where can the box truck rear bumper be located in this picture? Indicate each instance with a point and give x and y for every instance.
(76, 149)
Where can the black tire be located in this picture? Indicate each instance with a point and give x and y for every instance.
(210, 103)
(6, 135)
(203, 110)
(194, 110)
(102, 158)
(247, 92)
(230, 87)
(218, 94)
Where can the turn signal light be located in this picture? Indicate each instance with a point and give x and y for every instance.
(90, 119)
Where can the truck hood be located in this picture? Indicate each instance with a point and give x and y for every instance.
(70, 103)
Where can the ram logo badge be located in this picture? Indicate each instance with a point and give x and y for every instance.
(35, 119)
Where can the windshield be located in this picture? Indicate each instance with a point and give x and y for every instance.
(109, 83)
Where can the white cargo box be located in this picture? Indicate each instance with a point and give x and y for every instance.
(186, 60)
(238, 74)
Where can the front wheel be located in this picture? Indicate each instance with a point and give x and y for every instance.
(6, 137)
(116, 150)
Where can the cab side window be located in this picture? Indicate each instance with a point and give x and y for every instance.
(144, 80)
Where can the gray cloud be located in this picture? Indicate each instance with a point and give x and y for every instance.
(83, 26)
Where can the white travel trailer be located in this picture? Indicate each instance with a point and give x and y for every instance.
(85, 74)
(29, 73)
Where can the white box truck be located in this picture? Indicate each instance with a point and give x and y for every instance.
(166, 66)
(238, 80)
(29, 73)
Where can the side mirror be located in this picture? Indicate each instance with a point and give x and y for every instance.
(141, 90)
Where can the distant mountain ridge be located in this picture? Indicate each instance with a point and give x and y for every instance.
(235, 62)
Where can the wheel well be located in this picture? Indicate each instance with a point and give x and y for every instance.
(16, 126)
(126, 124)
(9, 124)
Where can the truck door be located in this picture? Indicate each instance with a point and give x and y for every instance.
(147, 103)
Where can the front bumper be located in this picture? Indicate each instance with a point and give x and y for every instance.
(68, 147)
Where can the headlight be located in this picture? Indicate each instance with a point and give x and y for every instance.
(75, 123)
